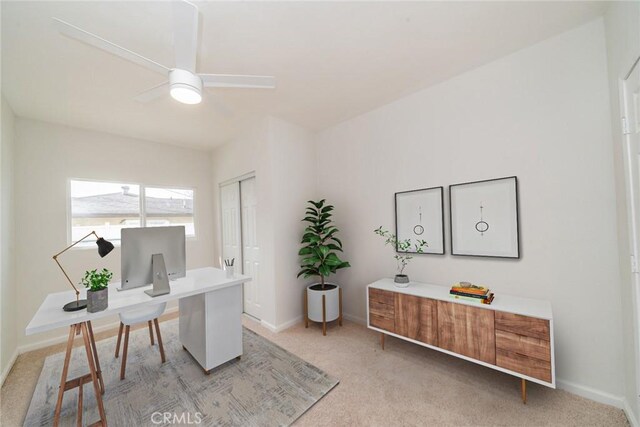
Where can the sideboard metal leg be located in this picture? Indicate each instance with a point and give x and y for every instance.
(382, 340)
(523, 386)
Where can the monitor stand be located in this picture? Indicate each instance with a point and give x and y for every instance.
(160, 280)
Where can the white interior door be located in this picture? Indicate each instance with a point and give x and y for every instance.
(231, 224)
(250, 247)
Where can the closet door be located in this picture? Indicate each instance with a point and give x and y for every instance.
(250, 247)
(231, 224)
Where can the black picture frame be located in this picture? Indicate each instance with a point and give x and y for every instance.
(440, 218)
(482, 229)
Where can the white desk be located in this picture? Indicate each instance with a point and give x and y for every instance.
(210, 322)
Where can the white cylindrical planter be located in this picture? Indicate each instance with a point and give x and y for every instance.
(314, 302)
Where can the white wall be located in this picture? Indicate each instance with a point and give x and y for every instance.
(542, 114)
(46, 157)
(8, 336)
(622, 24)
(294, 178)
(282, 156)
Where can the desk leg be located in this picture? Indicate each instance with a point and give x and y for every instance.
(95, 356)
(94, 376)
(63, 379)
(92, 357)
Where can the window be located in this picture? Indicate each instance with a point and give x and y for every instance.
(169, 206)
(108, 207)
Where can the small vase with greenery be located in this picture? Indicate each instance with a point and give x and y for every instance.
(96, 283)
(402, 256)
(320, 259)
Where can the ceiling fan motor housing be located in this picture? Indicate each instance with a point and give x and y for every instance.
(183, 79)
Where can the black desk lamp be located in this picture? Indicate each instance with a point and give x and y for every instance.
(104, 247)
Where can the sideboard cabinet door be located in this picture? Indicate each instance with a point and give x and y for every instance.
(467, 330)
(416, 318)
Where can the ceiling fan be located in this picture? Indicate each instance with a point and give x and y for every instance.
(185, 84)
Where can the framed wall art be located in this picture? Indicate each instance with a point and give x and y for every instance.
(484, 218)
(420, 216)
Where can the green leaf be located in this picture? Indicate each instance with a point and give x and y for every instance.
(311, 260)
(335, 239)
(334, 262)
(324, 270)
(318, 204)
(305, 251)
(334, 247)
(311, 239)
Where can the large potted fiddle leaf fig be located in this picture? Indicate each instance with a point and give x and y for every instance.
(319, 252)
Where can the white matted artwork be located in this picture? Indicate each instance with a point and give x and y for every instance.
(420, 216)
(484, 218)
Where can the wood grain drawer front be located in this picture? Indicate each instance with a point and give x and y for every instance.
(416, 318)
(381, 296)
(382, 309)
(382, 322)
(467, 330)
(526, 346)
(523, 325)
(536, 368)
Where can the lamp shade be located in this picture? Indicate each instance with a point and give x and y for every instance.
(104, 247)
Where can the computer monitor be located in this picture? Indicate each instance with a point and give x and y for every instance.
(138, 245)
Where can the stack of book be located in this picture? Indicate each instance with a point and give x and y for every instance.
(471, 293)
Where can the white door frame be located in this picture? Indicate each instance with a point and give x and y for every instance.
(631, 166)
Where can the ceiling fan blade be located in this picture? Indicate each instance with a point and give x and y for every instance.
(185, 34)
(79, 34)
(153, 93)
(230, 80)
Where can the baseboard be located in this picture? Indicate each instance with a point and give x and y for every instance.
(6, 371)
(591, 393)
(355, 319)
(282, 326)
(63, 338)
(633, 421)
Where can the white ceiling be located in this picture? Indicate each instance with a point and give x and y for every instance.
(332, 60)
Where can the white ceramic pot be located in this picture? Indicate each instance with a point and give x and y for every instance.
(314, 301)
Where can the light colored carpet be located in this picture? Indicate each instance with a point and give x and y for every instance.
(403, 385)
(268, 386)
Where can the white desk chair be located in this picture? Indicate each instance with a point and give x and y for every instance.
(129, 318)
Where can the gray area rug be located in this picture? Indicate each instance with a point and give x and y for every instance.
(268, 387)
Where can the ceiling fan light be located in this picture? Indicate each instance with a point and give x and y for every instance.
(185, 94)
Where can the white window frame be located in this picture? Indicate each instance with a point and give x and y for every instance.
(142, 200)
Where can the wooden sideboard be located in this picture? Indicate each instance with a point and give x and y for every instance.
(512, 335)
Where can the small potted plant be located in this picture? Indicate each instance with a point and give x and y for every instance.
(402, 257)
(320, 259)
(96, 283)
